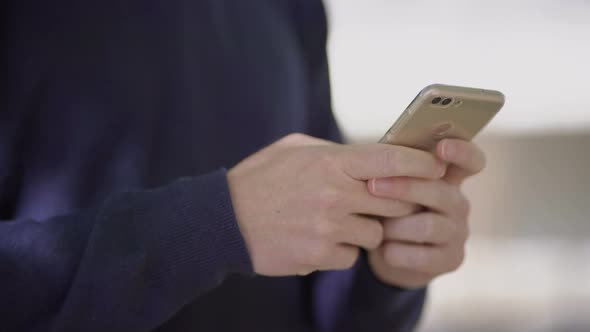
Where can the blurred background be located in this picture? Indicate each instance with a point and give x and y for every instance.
(528, 264)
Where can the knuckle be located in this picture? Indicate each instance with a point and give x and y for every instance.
(376, 236)
(466, 207)
(330, 198)
(466, 232)
(458, 259)
(463, 205)
(459, 230)
(326, 161)
(324, 229)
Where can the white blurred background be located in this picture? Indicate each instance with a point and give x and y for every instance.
(528, 264)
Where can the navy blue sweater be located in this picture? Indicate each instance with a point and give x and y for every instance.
(118, 119)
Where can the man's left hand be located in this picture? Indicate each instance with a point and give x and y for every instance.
(419, 247)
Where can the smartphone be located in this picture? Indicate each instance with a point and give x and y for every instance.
(444, 111)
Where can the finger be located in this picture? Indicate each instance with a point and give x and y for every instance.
(363, 162)
(426, 259)
(403, 278)
(342, 257)
(359, 201)
(361, 232)
(386, 208)
(437, 195)
(423, 228)
(367, 204)
(412, 279)
(456, 175)
(466, 158)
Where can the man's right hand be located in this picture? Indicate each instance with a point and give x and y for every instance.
(302, 203)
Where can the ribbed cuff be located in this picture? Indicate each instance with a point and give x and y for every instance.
(197, 232)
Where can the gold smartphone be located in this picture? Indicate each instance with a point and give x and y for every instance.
(444, 111)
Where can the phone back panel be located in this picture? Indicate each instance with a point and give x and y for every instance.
(424, 123)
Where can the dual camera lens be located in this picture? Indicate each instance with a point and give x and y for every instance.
(442, 101)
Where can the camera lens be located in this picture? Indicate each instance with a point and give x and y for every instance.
(436, 100)
(447, 101)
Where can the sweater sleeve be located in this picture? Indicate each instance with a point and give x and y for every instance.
(128, 265)
(354, 300)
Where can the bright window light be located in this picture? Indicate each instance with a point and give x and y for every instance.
(537, 52)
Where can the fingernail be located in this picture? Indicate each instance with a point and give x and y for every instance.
(447, 150)
(379, 186)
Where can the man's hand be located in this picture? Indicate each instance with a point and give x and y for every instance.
(302, 203)
(419, 247)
